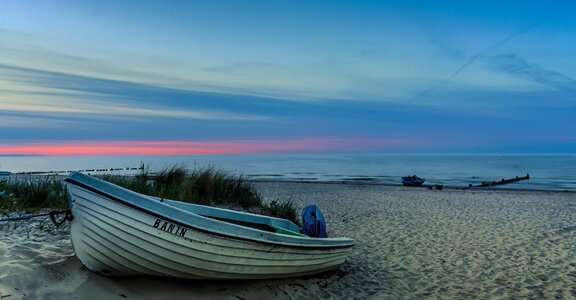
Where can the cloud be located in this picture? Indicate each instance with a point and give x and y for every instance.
(31, 121)
(50, 92)
(138, 147)
(520, 68)
(311, 79)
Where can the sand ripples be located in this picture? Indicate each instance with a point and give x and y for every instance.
(411, 243)
(453, 244)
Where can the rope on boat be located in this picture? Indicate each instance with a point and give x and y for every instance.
(53, 216)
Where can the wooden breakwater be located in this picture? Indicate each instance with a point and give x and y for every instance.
(501, 182)
(101, 170)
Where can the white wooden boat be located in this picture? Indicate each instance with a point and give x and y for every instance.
(116, 231)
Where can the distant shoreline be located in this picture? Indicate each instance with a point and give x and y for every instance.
(548, 172)
(338, 182)
(423, 187)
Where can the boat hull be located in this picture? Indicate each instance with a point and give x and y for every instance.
(114, 236)
(412, 181)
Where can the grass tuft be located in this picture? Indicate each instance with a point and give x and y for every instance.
(286, 210)
(33, 193)
(207, 186)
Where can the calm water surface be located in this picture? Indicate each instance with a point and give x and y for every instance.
(556, 172)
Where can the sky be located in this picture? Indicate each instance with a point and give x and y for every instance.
(200, 77)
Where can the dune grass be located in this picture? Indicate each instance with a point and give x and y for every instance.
(32, 194)
(208, 186)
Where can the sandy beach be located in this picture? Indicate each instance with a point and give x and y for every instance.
(411, 243)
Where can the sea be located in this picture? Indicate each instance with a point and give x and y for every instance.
(547, 171)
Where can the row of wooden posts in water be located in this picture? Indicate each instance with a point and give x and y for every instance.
(84, 171)
(503, 181)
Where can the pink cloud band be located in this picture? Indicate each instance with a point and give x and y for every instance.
(198, 147)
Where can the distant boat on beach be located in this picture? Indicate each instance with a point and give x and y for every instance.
(118, 232)
(412, 180)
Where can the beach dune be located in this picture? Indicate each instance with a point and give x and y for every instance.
(411, 243)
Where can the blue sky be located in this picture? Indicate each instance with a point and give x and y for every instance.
(284, 76)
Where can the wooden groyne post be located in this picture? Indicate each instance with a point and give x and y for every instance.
(501, 182)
